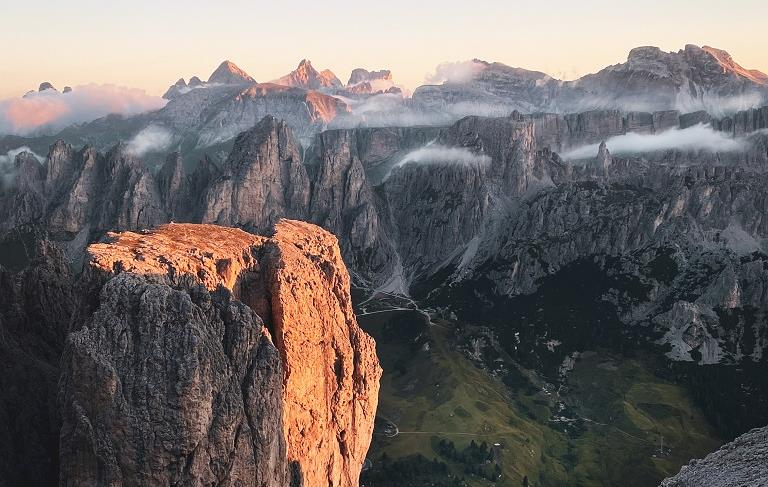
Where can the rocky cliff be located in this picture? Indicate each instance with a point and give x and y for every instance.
(38, 300)
(739, 463)
(214, 356)
(478, 219)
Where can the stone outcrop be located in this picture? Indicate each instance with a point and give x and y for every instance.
(263, 180)
(604, 160)
(343, 200)
(742, 462)
(256, 368)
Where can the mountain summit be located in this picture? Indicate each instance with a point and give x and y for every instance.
(229, 73)
(307, 77)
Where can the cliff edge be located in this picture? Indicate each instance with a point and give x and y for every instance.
(214, 356)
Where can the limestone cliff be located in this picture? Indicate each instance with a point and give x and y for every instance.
(243, 350)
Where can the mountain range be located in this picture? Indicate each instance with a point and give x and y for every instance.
(206, 116)
(564, 272)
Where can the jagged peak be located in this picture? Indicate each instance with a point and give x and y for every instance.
(45, 85)
(603, 159)
(229, 73)
(726, 61)
(268, 128)
(307, 77)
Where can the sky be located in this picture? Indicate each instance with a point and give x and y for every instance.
(149, 44)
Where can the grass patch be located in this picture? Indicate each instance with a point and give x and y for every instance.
(434, 394)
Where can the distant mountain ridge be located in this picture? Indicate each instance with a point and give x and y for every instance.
(205, 116)
(693, 78)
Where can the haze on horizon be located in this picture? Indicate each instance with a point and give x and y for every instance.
(149, 45)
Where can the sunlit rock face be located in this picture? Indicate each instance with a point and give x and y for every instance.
(256, 371)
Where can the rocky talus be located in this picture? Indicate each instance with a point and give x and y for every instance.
(215, 357)
(743, 462)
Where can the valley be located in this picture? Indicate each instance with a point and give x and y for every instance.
(600, 425)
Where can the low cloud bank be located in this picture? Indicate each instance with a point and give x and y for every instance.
(718, 105)
(393, 110)
(698, 137)
(49, 111)
(8, 166)
(151, 139)
(440, 154)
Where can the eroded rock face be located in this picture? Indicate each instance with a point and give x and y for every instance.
(37, 303)
(298, 391)
(332, 372)
(88, 190)
(168, 383)
(343, 201)
(263, 180)
(741, 462)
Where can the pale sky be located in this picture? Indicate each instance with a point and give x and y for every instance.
(150, 44)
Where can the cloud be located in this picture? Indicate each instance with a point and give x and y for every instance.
(394, 110)
(151, 139)
(387, 110)
(49, 111)
(456, 72)
(8, 165)
(698, 137)
(718, 105)
(439, 154)
(715, 105)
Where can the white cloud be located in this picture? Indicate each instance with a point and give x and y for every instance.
(440, 154)
(717, 105)
(393, 110)
(49, 111)
(151, 139)
(455, 72)
(698, 137)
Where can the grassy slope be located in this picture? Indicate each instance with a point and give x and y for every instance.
(439, 393)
